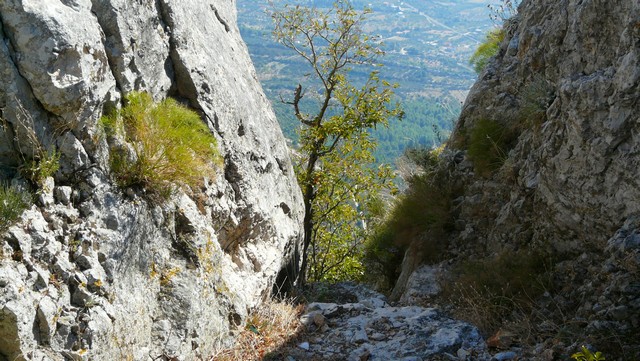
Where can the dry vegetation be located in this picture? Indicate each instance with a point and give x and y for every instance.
(269, 327)
(489, 292)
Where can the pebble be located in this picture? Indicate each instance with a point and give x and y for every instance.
(463, 354)
(318, 320)
(504, 356)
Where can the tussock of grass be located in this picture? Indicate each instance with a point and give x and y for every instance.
(268, 329)
(489, 143)
(488, 49)
(425, 208)
(171, 144)
(12, 203)
(535, 97)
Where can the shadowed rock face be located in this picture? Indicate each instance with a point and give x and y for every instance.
(566, 83)
(89, 273)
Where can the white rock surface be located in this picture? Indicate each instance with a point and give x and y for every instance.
(423, 284)
(356, 331)
(129, 278)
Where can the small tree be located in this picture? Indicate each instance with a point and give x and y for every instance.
(336, 170)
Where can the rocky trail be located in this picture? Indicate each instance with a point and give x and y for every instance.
(362, 326)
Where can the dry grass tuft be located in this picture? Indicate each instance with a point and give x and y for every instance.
(490, 292)
(269, 327)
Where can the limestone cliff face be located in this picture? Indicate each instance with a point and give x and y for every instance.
(565, 86)
(90, 272)
(579, 165)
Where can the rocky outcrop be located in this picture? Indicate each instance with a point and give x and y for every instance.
(578, 164)
(93, 271)
(565, 88)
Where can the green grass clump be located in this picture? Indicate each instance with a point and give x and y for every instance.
(423, 212)
(40, 168)
(488, 49)
(171, 145)
(488, 144)
(12, 203)
(535, 98)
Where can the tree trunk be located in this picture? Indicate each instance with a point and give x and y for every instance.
(307, 224)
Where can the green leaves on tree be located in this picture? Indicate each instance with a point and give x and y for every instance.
(335, 169)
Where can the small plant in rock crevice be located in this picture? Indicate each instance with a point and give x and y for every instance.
(13, 202)
(164, 144)
(37, 162)
(41, 167)
(486, 50)
(488, 144)
(586, 355)
(535, 97)
(503, 11)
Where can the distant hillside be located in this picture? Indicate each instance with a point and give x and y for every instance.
(428, 45)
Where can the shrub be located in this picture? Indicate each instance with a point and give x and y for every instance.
(170, 143)
(12, 203)
(488, 49)
(423, 213)
(488, 144)
(382, 258)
